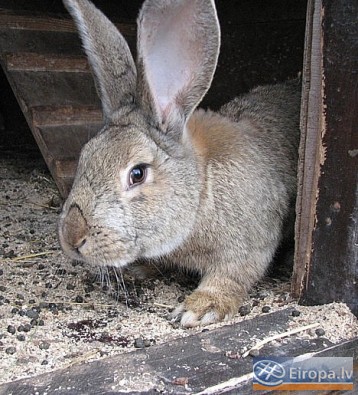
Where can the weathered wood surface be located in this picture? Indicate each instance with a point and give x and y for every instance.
(65, 115)
(41, 63)
(327, 251)
(202, 360)
(311, 124)
(50, 24)
(61, 88)
(41, 54)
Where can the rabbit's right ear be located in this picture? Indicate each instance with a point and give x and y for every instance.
(178, 48)
(108, 54)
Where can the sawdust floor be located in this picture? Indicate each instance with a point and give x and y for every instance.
(55, 313)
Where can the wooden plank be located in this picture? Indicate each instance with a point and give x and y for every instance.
(66, 168)
(333, 271)
(66, 141)
(39, 23)
(330, 245)
(50, 63)
(203, 360)
(55, 89)
(64, 131)
(77, 124)
(41, 42)
(126, 10)
(11, 21)
(25, 109)
(65, 171)
(309, 162)
(46, 34)
(66, 115)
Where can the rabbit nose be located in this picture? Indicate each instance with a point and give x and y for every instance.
(74, 229)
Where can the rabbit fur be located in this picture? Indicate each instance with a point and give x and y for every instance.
(217, 188)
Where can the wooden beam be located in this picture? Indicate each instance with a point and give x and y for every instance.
(327, 248)
(39, 23)
(51, 63)
(14, 21)
(66, 115)
(208, 363)
(311, 125)
(66, 168)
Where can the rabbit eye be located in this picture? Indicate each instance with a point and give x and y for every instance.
(137, 175)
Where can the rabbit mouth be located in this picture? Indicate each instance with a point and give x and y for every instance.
(96, 251)
(98, 257)
(93, 253)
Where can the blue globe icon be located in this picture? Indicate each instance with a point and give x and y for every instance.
(268, 372)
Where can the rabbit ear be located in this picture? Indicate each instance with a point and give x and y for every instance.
(178, 47)
(108, 53)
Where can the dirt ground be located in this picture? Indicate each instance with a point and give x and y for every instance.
(55, 313)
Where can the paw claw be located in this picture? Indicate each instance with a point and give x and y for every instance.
(177, 314)
(189, 320)
(210, 318)
(203, 308)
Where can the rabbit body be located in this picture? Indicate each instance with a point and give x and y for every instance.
(249, 156)
(217, 188)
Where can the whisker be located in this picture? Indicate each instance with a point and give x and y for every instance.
(126, 295)
(108, 278)
(119, 287)
(157, 268)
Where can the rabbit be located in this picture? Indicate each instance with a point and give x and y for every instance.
(166, 183)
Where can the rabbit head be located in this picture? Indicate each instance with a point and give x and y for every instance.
(137, 186)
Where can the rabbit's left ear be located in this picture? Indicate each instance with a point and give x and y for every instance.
(178, 48)
(108, 54)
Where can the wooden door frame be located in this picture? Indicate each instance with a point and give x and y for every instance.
(326, 252)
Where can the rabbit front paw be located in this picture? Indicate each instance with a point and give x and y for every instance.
(204, 307)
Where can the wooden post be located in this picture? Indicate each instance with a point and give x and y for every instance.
(327, 222)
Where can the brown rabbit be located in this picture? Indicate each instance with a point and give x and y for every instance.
(205, 191)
